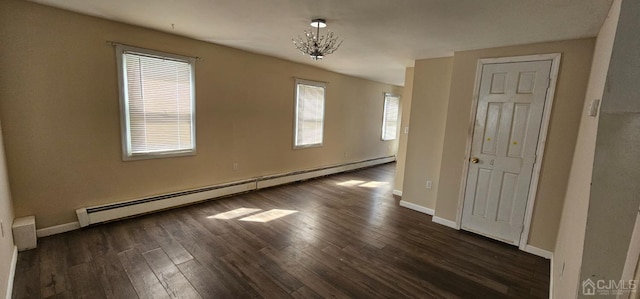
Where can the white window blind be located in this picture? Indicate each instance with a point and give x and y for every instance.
(309, 113)
(390, 117)
(158, 103)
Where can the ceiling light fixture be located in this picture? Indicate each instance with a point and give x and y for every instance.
(315, 45)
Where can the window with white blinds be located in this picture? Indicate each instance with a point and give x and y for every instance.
(157, 102)
(390, 116)
(309, 123)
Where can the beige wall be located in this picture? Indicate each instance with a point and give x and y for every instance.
(405, 104)
(614, 198)
(59, 107)
(565, 119)
(6, 217)
(432, 78)
(568, 250)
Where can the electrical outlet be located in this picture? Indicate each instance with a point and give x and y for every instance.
(235, 166)
(346, 154)
(406, 130)
(428, 184)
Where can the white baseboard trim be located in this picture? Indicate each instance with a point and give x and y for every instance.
(397, 192)
(57, 229)
(12, 272)
(415, 207)
(551, 279)
(537, 251)
(445, 222)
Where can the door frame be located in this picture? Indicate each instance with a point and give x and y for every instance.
(542, 137)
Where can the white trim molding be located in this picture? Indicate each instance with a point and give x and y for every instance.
(397, 192)
(538, 251)
(542, 138)
(12, 272)
(57, 229)
(551, 278)
(415, 207)
(445, 222)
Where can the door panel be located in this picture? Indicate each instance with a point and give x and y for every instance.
(508, 118)
(491, 125)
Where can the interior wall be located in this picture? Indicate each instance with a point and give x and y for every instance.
(432, 78)
(563, 129)
(60, 109)
(6, 217)
(568, 251)
(614, 197)
(405, 104)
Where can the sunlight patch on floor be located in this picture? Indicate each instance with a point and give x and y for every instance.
(350, 183)
(371, 184)
(234, 213)
(268, 215)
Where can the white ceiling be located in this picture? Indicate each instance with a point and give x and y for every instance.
(381, 37)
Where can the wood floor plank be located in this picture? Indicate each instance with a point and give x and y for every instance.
(262, 263)
(326, 273)
(310, 279)
(79, 251)
(260, 281)
(26, 283)
(360, 280)
(83, 280)
(346, 238)
(304, 293)
(381, 274)
(207, 249)
(143, 279)
(114, 280)
(53, 266)
(141, 237)
(169, 245)
(119, 237)
(169, 275)
(97, 240)
(205, 281)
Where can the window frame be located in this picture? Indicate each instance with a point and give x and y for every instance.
(388, 95)
(127, 154)
(323, 85)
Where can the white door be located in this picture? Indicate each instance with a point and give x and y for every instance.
(503, 150)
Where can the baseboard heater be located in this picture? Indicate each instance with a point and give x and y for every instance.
(129, 208)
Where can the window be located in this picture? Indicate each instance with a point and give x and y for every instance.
(157, 102)
(309, 113)
(390, 116)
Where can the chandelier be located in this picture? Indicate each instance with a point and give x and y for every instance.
(315, 45)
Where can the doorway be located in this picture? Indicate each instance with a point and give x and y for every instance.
(509, 125)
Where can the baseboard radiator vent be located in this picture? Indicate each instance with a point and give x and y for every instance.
(124, 209)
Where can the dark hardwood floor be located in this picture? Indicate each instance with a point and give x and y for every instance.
(345, 236)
